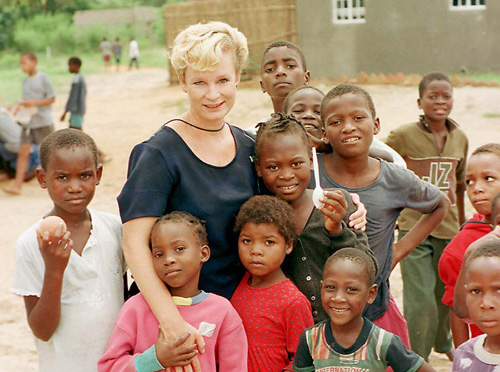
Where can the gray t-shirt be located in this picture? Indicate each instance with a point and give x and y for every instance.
(39, 86)
(393, 190)
(10, 132)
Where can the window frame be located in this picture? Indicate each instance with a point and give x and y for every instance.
(358, 10)
(458, 7)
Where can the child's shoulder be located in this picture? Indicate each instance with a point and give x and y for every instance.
(471, 355)
(109, 220)
(27, 240)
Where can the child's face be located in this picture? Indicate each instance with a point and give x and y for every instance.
(72, 68)
(285, 166)
(483, 294)
(495, 214)
(349, 125)
(262, 249)
(27, 64)
(305, 105)
(345, 292)
(437, 100)
(178, 256)
(70, 178)
(483, 182)
(282, 72)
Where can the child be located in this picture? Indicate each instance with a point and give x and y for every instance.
(483, 183)
(482, 353)
(76, 100)
(117, 52)
(179, 248)
(350, 122)
(284, 160)
(436, 150)
(38, 96)
(72, 287)
(347, 340)
(273, 310)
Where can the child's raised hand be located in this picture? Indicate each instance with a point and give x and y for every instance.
(334, 210)
(357, 220)
(176, 353)
(55, 249)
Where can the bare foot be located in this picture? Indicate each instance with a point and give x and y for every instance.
(11, 189)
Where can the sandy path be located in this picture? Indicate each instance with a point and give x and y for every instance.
(126, 108)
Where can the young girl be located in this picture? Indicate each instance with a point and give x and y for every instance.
(273, 310)
(179, 249)
(483, 183)
(283, 160)
(482, 353)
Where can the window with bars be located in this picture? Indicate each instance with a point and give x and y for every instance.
(467, 4)
(349, 11)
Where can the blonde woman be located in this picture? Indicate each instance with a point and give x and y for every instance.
(196, 163)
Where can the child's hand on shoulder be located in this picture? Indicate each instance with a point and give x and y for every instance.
(357, 220)
(334, 210)
(55, 249)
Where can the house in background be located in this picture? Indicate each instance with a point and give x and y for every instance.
(390, 36)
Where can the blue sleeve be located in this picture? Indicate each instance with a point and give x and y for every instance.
(400, 358)
(303, 361)
(148, 186)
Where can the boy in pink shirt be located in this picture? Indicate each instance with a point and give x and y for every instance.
(179, 248)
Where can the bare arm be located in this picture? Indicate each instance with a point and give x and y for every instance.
(38, 102)
(461, 207)
(459, 330)
(136, 250)
(44, 313)
(426, 367)
(420, 230)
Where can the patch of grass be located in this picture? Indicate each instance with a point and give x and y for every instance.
(11, 76)
(491, 115)
(489, 76)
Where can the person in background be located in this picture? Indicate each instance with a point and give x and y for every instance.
(117, 52)
(133, 53)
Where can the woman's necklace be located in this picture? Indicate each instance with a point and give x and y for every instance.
(203, 129)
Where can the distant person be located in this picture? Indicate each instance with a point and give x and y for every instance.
(117, 52)
(179, 249)
(76, 104)
(106, 48)
(435, 148)
(133, 52)
(71, 281)
(348, 341)
(34, 112)
(10, 137)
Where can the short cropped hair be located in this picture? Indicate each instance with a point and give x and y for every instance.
(280, 124)
(289, 45)
(64, 139)
(289, 96)
(75, 61)
(343, 89)
(201, 46)
(495, 205)
(429, 78)
(489, 148)
(368, 263)
(197, 226)
(490, 248)
(30, 55)
(267, 209)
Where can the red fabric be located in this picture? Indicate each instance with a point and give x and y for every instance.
(394, 322)
(452, 257)
(274, 318)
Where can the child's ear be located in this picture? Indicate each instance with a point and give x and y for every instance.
(204, 253)
(289, 247)
(40, 176)
(419, 103)
(262, 86)
(257, 168)
(98, 174)
(307, 77)
(372, 294)
(321, 284)
(376, 126)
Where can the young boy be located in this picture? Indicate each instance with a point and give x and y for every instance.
(38, 96)
(179, 248)
(482, 353)
(350, 122)
(436, 150)
(77, 95)
(72, 287)
(347, 341)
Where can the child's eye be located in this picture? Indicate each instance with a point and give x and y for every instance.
(269, 242)
(489, 178)
(468, 182)
(330, 287)
(246, 241)
(297, 163)
(298, 111)
(180, 249)
(199, 82)
(272, 167)
(61, 177)
(352, 289)
(269, 69)
(85, 176)
(475, 291)
(291, 65)
(223, 81)
(158, 254)
(358, 118)
(317, 112)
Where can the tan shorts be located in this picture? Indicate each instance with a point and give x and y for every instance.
(35, 135)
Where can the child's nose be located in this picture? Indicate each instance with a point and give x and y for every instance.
(256, 250)
(75, 185)
(286, 174)
(487, 302)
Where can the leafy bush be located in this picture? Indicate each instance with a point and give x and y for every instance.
(8, 19)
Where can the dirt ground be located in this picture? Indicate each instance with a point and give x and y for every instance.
(126, 108)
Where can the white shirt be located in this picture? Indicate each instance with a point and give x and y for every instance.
(92, 295)
(133, 49)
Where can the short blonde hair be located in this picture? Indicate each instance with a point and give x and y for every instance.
(201, 46)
